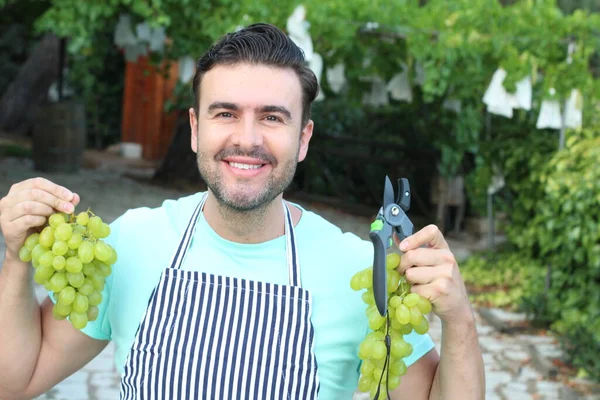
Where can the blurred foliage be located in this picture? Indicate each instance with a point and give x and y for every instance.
(553, 204)
(459, 44)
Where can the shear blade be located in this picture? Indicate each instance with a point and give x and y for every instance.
(388, 193)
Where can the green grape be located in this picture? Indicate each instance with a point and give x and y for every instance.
(78, 319)
(356, 281)
(97, 281)
(58, 281)
(43, 274)
(63, 232)
(367, 367)
(367, 297)
(378, 374)
(81, 303)
(86, 252)
(74, 265)
(104, 231)
(80, 229)
(392, 261)
(113, 258)
(24, 254)
(86, 287)
(95, 298)
(32, 241)
(415, 316)
(58, 263)
(37, 251)
(47, 237)
(379, 351)
(82, 218)
(403, 314)
(101, 251)
(92, 313)
(411, 300)
(46, 259)
(75, 279)
(376, 321)
(393, 279)
(56, 314)
(94, 226)
(67, 295)
(398, 368)
(424, 305)
(60, 248)
(364, 383)
(395, 301)
(393, 382)
(104, 269)
(89, 269)
(56, 220)
(63, 309)
(422, 327)
(75, 240)
(71, 253)
(376, 386)
(399, 348)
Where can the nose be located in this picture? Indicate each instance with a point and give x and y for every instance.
(247, 134)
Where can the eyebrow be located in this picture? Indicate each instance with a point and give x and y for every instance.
(220, 105)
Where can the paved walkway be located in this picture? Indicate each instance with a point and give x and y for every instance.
(509, 372)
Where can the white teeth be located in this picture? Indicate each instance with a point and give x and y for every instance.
(244, 166)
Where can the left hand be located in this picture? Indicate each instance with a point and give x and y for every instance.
(431, 268)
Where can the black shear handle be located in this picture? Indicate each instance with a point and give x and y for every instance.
(379, 270)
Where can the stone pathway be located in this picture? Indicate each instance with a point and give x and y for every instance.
(509, 371)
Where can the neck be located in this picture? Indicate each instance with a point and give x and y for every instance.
(256, 226)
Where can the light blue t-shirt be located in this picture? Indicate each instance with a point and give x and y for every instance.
(145, 240)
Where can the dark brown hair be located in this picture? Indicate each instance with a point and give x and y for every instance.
(262, 44)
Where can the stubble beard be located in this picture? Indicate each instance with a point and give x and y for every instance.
(240, 198)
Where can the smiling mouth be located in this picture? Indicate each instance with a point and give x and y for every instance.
(245, 166)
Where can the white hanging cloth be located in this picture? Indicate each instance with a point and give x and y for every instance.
(399, 86)
(574, 110)
(187, 69)
(549, 115)
(336, 77)
(497, 99)
(297, 29)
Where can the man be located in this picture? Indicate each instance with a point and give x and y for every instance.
(233, 292)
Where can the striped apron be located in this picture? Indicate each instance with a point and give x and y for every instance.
(207, 336)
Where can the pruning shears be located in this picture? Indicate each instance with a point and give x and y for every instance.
(390, 219)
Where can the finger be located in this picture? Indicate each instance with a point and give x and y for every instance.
(424, 257)
(421, 275)
(429, 236)
(40, 196)
(26, 222)
(28, 208)
(76, 199)
(44, 184)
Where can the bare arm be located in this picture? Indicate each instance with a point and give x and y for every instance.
(460, 373)
(431, 268)
(36, 351)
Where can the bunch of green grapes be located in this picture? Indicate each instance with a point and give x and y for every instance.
(72, 261)
(406, 312)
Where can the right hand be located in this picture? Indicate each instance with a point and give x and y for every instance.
(27, 205)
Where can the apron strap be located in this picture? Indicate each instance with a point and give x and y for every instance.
(184, 243)
(290, 243)
(292, 252)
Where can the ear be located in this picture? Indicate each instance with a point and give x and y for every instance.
(194, 127)
(304, 139)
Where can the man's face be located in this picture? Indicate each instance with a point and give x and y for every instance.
(248, 134)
